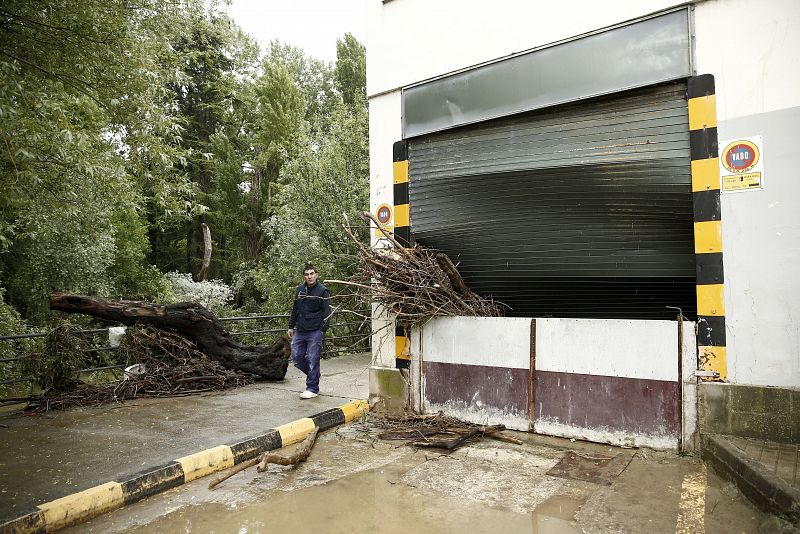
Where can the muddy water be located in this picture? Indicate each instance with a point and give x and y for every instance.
(374, 501)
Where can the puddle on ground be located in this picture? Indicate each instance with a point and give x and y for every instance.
(557, 515)
(374, 501)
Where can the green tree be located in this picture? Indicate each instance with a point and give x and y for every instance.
(217, 60)
(84, 122)
(313, 77)
(124, 126)
(327, 181)
(351, 70)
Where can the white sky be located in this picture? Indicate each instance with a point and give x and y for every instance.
(313, 25)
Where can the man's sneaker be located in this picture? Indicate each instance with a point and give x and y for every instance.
(308, 394)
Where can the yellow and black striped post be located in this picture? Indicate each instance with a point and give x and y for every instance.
(707, 225)
(402, 215)
(402, 232)
(402, 349)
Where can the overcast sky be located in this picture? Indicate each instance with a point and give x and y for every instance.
(313, 25)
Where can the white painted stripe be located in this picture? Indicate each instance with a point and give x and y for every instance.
(490, 341)
(605, 435)
(692, 510)
(485, 415)
(608, 347)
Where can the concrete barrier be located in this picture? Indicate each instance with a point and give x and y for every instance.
(84, 505)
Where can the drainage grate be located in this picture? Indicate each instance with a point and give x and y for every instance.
(596, 469)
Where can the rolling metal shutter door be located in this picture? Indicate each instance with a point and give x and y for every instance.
(583, 210)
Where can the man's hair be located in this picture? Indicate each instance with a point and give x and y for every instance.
(309, 267)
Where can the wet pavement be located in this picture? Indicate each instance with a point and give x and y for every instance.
(48, 456)
(354, 482)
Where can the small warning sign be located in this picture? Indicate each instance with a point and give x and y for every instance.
(384, 215)
(742, 164)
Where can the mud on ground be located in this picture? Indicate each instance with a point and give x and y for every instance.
(354, 482)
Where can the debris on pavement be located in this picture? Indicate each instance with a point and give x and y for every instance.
(300, 455)
(172, 366)
(437, 431)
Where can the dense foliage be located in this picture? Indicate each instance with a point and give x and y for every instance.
(126, 125)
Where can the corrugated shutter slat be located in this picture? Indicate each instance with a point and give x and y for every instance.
(583, 210)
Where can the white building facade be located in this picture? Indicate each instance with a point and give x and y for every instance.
(597, 167)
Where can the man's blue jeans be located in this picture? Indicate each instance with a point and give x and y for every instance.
(306, 352)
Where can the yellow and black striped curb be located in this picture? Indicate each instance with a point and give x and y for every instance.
(97, 500)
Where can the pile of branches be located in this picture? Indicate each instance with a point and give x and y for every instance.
(415, 283)
(437, 431)
(169, 365)
(53, 362)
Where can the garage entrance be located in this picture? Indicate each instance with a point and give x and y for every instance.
(576, 211)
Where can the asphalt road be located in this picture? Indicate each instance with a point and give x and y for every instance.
(48, 456)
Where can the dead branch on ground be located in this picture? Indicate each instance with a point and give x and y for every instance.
(269, 457)
(299, 455)
(437, 431)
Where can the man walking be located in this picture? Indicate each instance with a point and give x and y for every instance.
(311, 315)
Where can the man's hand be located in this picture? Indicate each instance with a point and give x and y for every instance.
(290, 333)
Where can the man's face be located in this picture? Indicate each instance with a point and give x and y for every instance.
(310, 277)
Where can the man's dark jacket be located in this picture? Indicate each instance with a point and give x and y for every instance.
(312, 308)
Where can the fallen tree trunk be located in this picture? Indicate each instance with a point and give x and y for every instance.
(191, 320)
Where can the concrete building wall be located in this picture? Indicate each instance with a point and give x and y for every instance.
(477, 369)
(751, 49)
(749, 46)
(385, 128)
(409, 41)
(761, 231)
(612, 381)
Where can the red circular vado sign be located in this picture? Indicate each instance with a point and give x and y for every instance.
(384, 213)
(740, 156)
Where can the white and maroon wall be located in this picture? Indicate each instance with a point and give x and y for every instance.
(610, 381)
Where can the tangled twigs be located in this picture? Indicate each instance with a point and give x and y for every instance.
(414, 283)
(172, 367)
(54, 364)
(437, 431)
